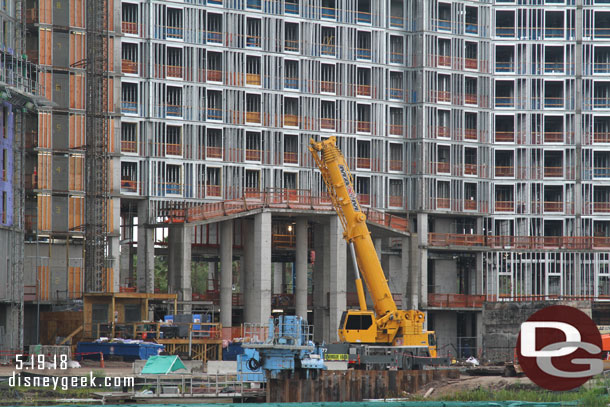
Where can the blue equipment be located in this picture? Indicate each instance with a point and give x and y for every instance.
(287, 348)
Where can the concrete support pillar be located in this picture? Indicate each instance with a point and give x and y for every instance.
(278, 277)
(179, 262)
(145, 268)
(258, 303)
(405, 268)
(418, 288)
(300, 265)
(320, 282)
(226, 274)
(246, 268)
(336, 271)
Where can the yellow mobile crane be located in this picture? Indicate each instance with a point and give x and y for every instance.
(388, 336)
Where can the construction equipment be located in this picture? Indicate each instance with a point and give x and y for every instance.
(287, 348)
(387, 336)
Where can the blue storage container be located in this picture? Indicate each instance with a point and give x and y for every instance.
(129, 351)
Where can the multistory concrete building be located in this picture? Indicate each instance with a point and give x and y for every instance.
(484, 123)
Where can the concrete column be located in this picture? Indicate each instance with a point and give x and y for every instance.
(419, 281)
(336, 272)
(226, 273)
(300, 265)
(320, 283)
(145, 268)
(246, 268)
(278, 277)
(179, 262)
(405, 269)
(259, 299)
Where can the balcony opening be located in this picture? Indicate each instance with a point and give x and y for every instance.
(291, 183)
(364, 11)
(396, 49)
(291, 112)
(214, 105)
(174, 140)
(129, 18)
(252, 183)
(173, 185)
(328, 9)
(327, 83)
(129, 58)
(472, 20)
(327, 113)
(553, 198)
(291, 80)
(553, 129)
(129, 98)
(505, 198)
(129, 177)
(363, 190)
(470, 90)
(443, 195)
(291, 149)
(470, 161)
(444, 124)
(601, 164)
(253, 70)
(395, 198)
(505, 93)
(601, 198)
(174, 62)
(444, 52)
(363, 118)
(470, 196)
(214, 28)
(129, 137)
(396, 121)
(601, 228)
(396, 86)
(291, 6)
(505, 23)
(213, 182)
(363, 154)
(396, 14)
(174, 101)
(174, 23)
(505, 163)
(444, 17)
(553, 94)
(601, 62)
(553, 164)
(601, 95)
(470, 126)
(291, 36)
(505, 129)
(253, 146)
(553, 24)
(444, 160)
(505, 58)
(214, 66)
(553, 227)
(253, 108)
(553, 59)
(471, 54)
(444, 88)
(253, 32)
(601, 129)
(328, 41)
(214, 143)
(602, 24)
(363, 44)
(396, 157)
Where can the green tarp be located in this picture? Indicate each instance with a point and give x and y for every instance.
(162, 365)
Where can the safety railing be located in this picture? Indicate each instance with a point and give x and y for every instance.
(470, 169)
(291, 157)
(396, 129)
(518, 242)
(553, 172)
(363, 90)
(471, 63)
(129, 107)
(443, 203)
(174, 32)
(504, 171)
(363, 53)
(253, 41)
(253, 79)
(454, 239)
(129, 27)
(505, 101)
(395, 201)
(470, 205)
(174, 71)
(291, 45)
(213, 190)
(128, 185)
(291, 8)
(505, 31)
(327, 49)
(214, 37)
(128, 146)
(444, 60)
(363, 163)
(455, 300)
(254, 4)
(253, 155)
(553, 206)
(554, 32)
(328, 12)
(443, 25)
(397, 58)
(327, 123)
(471, 134)
(213, 152)
(173, 110)
(291, 120)
(363, 126)
(327, 86)
(443, 167)
(214, 75)
(253, 117)
(396, 165)
(363, 17)
(601, 137)
(553, 102)
(152, 331)
(128, 66)
(553, 137)
(396, 93)
(364, 199)
(173, 149)
(283, 241)
(472, 28)
(554, 67)
(291, 83)
(214, 113)
(505, 206)
(603, 207)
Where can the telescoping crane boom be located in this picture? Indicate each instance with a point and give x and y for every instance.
(387, 325)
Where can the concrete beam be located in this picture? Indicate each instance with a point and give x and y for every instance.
(145, 269)
(301, 268)
(226, 273)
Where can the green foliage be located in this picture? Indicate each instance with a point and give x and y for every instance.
(199, 276)
(161, 273)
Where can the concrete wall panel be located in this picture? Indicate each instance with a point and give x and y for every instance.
(60, 131)
(61, 172)
(59, 213)
(61, 14)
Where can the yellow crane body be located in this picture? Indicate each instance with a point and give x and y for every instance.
(387, 324)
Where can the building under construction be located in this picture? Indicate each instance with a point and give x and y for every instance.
(477, 133)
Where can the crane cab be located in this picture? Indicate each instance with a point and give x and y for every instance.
(357, 326)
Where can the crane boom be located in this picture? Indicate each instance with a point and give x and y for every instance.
(339, 183)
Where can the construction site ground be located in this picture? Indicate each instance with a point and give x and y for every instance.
(443, 388)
